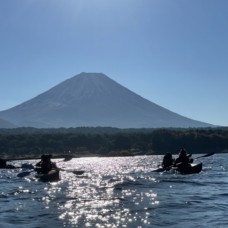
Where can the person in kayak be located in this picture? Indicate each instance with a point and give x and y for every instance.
(45, 165)
(168, 160)
(183, 159)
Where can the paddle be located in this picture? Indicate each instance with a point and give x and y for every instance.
(205, 155)
(24, 174)
(27, 166)
(76, 172)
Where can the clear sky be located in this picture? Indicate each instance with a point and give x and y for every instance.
(171, 52)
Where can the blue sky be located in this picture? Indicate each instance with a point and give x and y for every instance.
(171, 52)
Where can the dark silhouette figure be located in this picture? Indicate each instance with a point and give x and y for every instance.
(183, 158)
(168, 160)
(45, 165)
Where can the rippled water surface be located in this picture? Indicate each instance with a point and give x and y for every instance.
(117, 192)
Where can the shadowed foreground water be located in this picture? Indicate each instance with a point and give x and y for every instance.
(117, 192)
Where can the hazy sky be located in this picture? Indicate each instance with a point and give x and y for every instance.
(172, 52)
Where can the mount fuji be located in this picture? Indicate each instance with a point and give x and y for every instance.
(6, 124)
(93, 99)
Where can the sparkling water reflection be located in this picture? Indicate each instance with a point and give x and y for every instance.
(110, 196)
(117, 192)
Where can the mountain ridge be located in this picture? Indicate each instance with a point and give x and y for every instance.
(93, 99)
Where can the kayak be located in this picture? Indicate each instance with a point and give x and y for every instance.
(52, 176)
(190, 168)
(187, 169)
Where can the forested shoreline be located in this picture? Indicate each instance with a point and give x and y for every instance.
(86, 141)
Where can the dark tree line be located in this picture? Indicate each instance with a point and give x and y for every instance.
(30, 142)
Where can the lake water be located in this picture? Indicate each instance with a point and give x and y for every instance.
(117, 192)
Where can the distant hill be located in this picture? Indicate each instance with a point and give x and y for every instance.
(93, 99)
(6, 124)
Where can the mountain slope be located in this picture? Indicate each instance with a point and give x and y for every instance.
(6, 124)
(93, 99)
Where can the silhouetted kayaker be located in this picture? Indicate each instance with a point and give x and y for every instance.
(168, 160)
(45, 165)
(183, 158)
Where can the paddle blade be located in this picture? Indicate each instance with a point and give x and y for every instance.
(67, 158)
(79, 172)
(206, 155)
(24, 174)
(27, 166)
